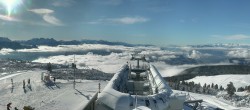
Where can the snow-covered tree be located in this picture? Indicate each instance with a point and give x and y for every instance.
(230, 89)
(177, 86)
(73, 65)
(208, 86)
(240, 89)
(216, 86)
(205, 85)
(49, 67)
(247, 88)
(221, 88)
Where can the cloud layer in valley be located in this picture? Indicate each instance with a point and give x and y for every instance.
(5, 51)
(109, 58)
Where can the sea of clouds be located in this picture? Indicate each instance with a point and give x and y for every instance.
(116, 55)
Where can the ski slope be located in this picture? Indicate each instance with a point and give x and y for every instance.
(212, 102)
(61, 96)
(238, 80)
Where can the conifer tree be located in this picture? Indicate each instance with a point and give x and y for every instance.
(216, 86)
(221, 88)
(230, 89)
(205, 85)
(49, 67)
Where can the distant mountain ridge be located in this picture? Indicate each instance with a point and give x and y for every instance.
(4, 39)
(42, 41)
(53, 42)
(7, 43)
(33, 43)
(107, 42)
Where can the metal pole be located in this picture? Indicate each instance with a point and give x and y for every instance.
(137, 63)
(74, 83)
(99, 86)
(136, 101)
(74, 73)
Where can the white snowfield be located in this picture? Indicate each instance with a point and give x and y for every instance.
(238, 80)
(212, 101)
(61, 96)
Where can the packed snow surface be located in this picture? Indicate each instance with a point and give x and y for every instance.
(210, 102)
(58, 96)
(238, 80)
(62, 96)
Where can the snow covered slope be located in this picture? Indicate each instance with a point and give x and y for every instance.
(211, 102)
(238, 80)
(60, 96)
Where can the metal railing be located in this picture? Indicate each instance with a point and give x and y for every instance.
(91, 104)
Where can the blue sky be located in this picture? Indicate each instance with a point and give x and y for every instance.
(158, 22)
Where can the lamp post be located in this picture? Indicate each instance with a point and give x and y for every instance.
(74, 67)
(74, 83)
(99, 87)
